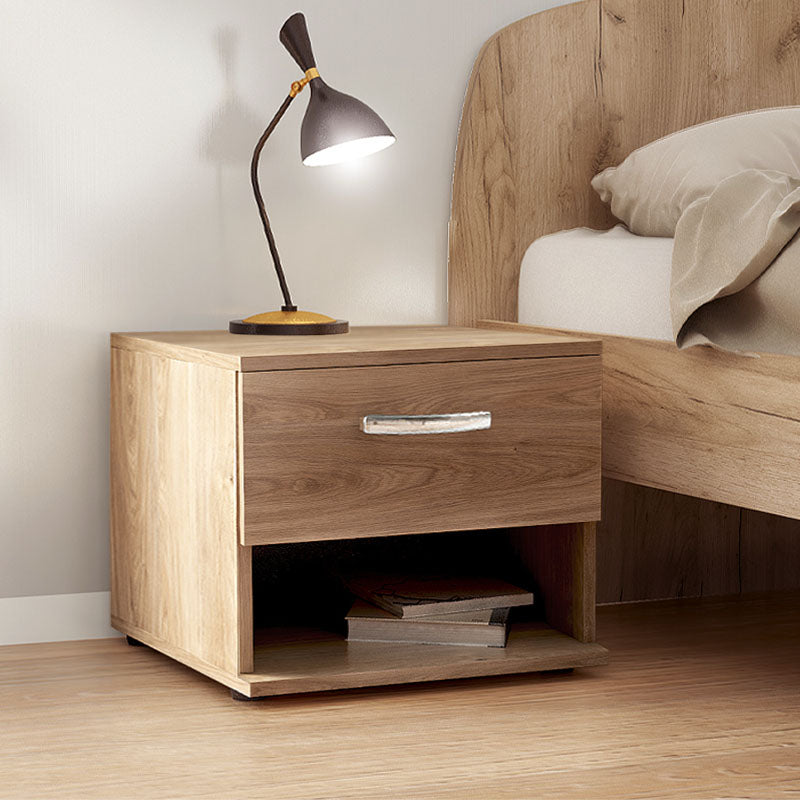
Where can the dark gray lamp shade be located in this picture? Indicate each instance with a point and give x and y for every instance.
(336, 126)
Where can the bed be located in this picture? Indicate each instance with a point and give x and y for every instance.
(552, 100)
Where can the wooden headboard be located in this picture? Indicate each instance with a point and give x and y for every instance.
(558, 96)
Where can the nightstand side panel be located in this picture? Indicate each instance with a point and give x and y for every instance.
(180, 581)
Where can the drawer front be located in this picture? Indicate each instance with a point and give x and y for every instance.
(375, 451)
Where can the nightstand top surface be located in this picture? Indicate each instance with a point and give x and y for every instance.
(367, 346)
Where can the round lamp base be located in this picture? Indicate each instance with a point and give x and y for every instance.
(288, 323)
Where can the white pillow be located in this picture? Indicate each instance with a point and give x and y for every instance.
(655, 184)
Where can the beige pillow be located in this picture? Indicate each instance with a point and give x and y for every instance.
(655, 184)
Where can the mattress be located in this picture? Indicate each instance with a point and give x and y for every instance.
(611, 282)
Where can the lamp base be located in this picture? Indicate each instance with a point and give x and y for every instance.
(288, 323)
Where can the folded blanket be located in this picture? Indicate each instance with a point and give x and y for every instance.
(736, 266)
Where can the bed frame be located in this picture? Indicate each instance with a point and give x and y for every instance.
(552, 100)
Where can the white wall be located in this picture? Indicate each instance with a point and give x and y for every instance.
(126, 128)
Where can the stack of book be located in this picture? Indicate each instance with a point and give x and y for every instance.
(432, 609)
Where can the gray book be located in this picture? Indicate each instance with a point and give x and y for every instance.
(484, 628)
(421, 596)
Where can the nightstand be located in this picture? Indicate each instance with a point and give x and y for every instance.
(242, 465)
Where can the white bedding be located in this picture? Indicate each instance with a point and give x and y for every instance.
(610, 282)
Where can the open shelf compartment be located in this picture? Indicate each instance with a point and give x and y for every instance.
(299, 642)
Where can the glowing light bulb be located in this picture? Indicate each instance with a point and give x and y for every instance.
(347, 151)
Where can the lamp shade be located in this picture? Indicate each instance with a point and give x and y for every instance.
(336, 126)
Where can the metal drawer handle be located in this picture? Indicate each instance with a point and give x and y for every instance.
(414, 424)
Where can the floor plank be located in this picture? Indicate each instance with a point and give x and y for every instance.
(701, 700)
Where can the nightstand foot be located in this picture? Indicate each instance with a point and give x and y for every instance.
(134, 642)
(242, 698)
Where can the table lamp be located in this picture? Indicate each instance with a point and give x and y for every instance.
(336, 128)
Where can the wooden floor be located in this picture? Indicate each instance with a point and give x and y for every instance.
(701, 700)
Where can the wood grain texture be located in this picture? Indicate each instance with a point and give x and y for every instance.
(311, 661)
(770, 547)
(561, 560)
(310, 473)
(519, 172)
(175, 560)
(699, 701)
(361, 347)
(653, 544)
(556, 97)
(701, 422)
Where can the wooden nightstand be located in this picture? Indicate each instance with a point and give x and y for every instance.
(240, 467)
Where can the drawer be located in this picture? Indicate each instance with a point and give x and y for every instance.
(308, 470)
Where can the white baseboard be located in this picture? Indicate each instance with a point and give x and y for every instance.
(55, 618)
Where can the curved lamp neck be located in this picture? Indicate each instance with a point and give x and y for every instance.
(273, 249)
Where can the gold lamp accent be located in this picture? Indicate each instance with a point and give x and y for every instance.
(336, 128)
(297, 86)
(288, 318)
